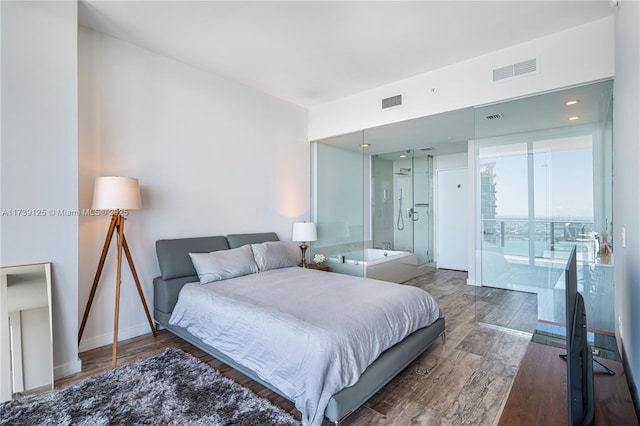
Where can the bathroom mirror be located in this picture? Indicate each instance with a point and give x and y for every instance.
(26, 333)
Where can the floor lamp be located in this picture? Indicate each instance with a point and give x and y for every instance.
(116, 194)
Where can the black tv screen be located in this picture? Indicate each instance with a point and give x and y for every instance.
(579, 356)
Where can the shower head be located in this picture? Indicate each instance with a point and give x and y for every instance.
(403, 172)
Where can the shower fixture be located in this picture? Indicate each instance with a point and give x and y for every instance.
(403, 172)
(400, 222)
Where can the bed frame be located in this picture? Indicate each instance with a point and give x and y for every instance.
(177, 270)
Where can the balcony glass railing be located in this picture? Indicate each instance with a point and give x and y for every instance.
(518, 257)
(550, 239)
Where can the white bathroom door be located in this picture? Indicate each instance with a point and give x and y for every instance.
(453, 219)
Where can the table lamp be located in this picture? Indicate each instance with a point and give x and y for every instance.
(304, 232)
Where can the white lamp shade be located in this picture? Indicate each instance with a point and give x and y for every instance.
(304, 231)
(116, 193)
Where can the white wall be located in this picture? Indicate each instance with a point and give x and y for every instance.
(451, 161)
(578, 55)
(212, 157)
(626, 199)
(39, 154)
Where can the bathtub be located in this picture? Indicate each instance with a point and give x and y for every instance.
(387, 265)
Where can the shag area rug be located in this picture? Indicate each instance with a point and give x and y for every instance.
(172, 388)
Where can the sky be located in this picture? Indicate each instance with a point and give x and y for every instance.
(563, 184)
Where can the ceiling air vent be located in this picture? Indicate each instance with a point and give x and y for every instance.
(392, 101)
(525, 67)
(493, 116)
(502, 73)
(515, 70)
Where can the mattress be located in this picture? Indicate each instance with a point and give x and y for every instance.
(309, 333)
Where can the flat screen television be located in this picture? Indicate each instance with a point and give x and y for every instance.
(579, 356)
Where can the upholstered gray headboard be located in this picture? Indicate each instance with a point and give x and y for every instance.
(173, 255)
(176, 268)
(238, 240)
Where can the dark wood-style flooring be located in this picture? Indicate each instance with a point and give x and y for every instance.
(463, 382)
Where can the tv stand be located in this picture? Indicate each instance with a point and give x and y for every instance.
(538, 395)
(595, 361)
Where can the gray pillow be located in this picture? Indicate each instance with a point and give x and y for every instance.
(273, 255)
(224, 264)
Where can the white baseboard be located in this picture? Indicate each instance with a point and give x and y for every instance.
(67, 369)
(107, 338)
(473, 282)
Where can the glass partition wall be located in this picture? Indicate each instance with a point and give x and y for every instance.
(339, 201)
(542, 190)
(541, 168)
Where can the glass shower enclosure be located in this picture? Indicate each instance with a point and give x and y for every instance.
(372, 208)
(402, 203)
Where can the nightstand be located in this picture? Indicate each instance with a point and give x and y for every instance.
(319, 267)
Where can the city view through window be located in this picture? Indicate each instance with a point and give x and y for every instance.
(537, 198)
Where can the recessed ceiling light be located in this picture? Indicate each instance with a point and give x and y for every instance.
(365, 145)
(572, 102)
(574, 118)
(403, 156)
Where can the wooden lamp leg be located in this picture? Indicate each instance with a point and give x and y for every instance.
(117, 224)
(114, 357)
(96, 280)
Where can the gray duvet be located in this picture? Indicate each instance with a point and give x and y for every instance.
(307, 332)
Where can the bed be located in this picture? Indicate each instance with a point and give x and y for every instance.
(178, 293)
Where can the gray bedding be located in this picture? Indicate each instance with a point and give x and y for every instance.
(338, 392)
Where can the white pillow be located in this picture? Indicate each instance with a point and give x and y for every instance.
(224, 264)
(273, 255)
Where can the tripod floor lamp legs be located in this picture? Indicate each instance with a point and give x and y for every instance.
(116, 225)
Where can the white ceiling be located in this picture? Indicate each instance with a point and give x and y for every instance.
(448, 133)
(311, 52)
